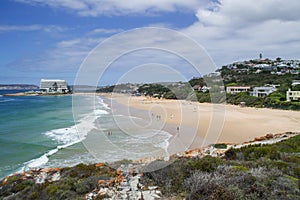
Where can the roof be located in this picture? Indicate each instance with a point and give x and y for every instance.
(53, 80)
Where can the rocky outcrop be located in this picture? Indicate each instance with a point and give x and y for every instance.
(38, 175)
(126, 185)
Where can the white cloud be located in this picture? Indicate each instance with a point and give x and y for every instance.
(233, 29)
(34, 27)
(230, 30)
(105, 31)
(241, 13)
(120, 7)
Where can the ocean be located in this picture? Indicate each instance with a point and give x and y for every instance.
(60, 131)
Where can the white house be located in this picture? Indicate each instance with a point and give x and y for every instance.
(237, 89)
(295, 82)
(262, 91)
(53, 86)
(292, 95)
(261, 66)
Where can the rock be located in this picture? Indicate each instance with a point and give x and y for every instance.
(55, 177)
(99, 164)
(269, 136)
(41, 178)
(101, 183)
(152, 187)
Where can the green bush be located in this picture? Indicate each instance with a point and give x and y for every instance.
(207, 164)
(220, 146)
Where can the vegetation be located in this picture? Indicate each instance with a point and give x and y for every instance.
(220, 146)
(74, 183)
(252, 172)
(191, 91)
(274, 100)
(167, 91)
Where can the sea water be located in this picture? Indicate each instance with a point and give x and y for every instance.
(45, 131)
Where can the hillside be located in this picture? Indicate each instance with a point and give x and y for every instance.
(18, 87)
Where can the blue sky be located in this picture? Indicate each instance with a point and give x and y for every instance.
(51, 38)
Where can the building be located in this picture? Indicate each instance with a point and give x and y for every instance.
(295, 82)
(292, 95)
(262, 91)
(237, 89)
(53, 86)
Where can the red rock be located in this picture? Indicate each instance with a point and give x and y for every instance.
(99, 164)
(111, 182)
(118, 172)
(101, 183)
(269, 136)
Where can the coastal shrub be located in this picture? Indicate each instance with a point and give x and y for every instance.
(231, 154)
(24, 184)
(51, 189)
(220, 146)
(226, 182)
(12, 179)
(240, 168)
(203, 97)
(169, 178)
(274, 152)
(86, 185)
(207, 163)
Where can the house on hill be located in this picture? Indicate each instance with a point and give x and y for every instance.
(292, 95)
(262, 91)
(237, 89)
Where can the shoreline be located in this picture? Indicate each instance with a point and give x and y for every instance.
(125, 179)
(209, 150)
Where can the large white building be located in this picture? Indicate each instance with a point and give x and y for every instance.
(54, 86)
(262, 91)
(292, 95)
(237, 89)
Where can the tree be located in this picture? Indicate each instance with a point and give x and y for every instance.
(55, 86)
(296, 87)
(278, 59)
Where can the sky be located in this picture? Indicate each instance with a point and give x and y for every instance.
(54, 38)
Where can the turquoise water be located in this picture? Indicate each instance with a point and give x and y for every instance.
(40, 131)
(22, 122)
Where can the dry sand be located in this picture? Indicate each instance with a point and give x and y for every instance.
(214, 123)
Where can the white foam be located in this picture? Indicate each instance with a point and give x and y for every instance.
(137, 144)
(164, 137)
(102, 103)
(34, 163)
(100, 112)
(6, 100)
(65, 137)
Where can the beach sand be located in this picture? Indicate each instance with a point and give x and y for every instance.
(199, 124)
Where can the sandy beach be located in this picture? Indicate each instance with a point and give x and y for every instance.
(199, 124)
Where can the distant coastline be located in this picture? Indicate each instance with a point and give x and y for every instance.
(18, 87)
(35, 94)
